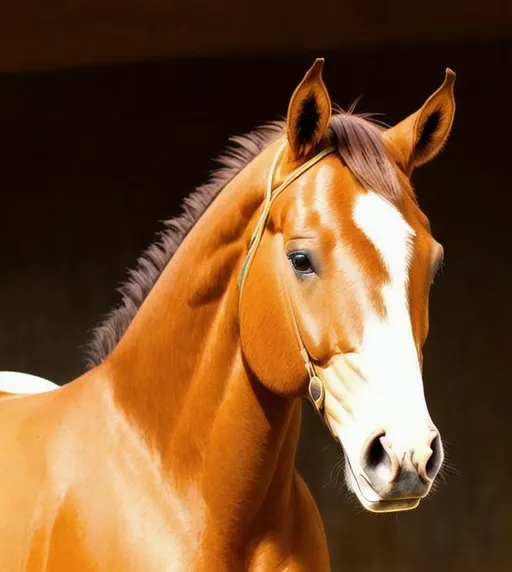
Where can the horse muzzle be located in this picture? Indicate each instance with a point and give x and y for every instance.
(393, 451)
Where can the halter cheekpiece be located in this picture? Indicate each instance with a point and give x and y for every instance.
(316, 391)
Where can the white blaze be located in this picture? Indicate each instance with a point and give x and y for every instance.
(378, 388)
(389, 359)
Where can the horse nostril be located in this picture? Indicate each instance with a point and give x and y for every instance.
(378, 460)
(376, 454)
(435, 460)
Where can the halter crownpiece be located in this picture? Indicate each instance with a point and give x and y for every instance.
(270, 197)
(316, 391)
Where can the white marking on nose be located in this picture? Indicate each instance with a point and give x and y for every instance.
(388, 351)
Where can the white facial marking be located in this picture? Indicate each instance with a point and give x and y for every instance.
(388, 353)
(379, 387)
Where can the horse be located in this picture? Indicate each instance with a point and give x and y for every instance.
(300, 271)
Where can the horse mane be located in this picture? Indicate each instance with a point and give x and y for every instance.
(359, 143)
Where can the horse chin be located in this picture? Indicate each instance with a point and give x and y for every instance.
(390, 506)
(370, 500)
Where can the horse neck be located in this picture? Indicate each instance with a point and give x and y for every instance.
(179, 374)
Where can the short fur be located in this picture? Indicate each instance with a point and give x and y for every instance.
(360, 146)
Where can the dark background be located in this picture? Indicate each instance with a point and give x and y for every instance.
(91, 158)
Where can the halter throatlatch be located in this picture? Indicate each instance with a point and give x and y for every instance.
(316, 391)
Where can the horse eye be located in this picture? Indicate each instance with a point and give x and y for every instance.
(301, 263)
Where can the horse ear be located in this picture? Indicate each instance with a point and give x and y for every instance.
(309, 112)
(422, 135)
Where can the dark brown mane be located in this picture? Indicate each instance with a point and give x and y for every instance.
(360, 146)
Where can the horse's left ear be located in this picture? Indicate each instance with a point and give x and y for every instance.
(421, 136)
(309, 112)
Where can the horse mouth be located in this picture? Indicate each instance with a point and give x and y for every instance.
(383, 506)
(372, 502)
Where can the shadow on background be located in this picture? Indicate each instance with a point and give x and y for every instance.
(91, 159)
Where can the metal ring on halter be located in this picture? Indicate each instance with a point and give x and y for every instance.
(316, 391)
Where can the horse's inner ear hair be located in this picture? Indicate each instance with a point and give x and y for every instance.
(308, 120)
(428, 131)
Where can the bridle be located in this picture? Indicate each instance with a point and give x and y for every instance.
(316, 391)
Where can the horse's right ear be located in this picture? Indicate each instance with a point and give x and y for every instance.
(309, 112)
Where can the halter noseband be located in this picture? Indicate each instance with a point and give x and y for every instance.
(315, 387)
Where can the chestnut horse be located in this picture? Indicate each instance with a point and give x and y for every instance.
(302, 269)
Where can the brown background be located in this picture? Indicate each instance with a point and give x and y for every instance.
(91, 158)
(56, 33)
